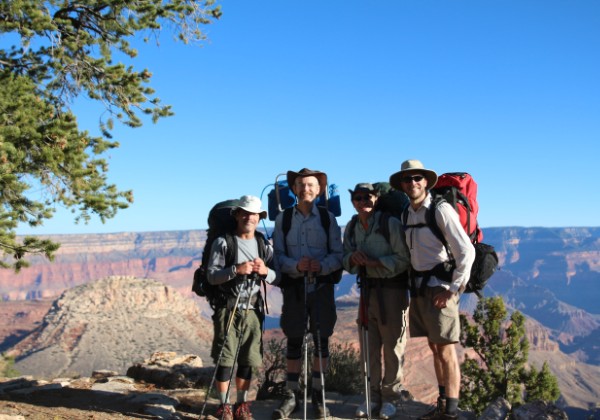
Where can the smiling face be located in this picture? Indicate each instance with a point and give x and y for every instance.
(307, 189)
(364, 202)
(414, 184)
(246, 221)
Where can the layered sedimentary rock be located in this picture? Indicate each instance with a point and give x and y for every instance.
(110, 323)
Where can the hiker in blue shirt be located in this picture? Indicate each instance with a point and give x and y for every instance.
(375, 250)
(307, 252)
(238, 319)
(436, 284)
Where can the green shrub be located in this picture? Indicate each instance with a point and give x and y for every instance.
(344, 374)
(7, 369)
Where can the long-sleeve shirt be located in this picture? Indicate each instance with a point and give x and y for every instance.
(426, 250)
(307, 238)
(393, 255)
(247, 250)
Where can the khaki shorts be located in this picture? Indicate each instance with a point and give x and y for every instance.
(440, 326)
(250, 331)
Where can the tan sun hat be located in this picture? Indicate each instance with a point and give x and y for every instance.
(411, 166)
(251, 204)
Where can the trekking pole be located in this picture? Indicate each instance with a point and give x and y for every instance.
(318, 328)
(214, 377)
(363, 319)
(305, 346)
(242, 331)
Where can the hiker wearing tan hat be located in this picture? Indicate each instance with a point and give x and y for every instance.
(436, 282)
(238, 314)
(308, 260)
(375, 250)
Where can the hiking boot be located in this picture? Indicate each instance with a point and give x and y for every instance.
(242, 411)
(289, 404)
(405, 396)
(362, 412)
(224, 412)
(448, 416)
(388, 410)
(321, 412)
(436, 412)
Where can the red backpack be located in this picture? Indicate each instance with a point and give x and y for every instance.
(459, 189)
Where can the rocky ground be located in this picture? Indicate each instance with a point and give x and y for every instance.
(119, 397)
(168, 386)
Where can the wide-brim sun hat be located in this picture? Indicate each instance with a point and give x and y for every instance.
(411, 166)
(251, 204)
(304, 172)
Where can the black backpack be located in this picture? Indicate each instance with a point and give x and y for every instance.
(390, 201)
(221, 223)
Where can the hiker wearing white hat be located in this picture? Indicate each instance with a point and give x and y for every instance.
(436, 281)
(238, 263)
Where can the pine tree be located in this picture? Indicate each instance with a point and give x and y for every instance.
(541, 385)
(62, 50)
(502, 351)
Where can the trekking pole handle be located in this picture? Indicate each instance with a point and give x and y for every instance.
(307, 277)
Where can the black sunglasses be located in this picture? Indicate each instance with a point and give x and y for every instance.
(361, 197)
(409, 179)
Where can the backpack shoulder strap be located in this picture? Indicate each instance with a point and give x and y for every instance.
(262, 252)
(350, 228)
(231, 251)
(286, 225)
(262, 244)
(406, 226)
(325, 222)
(432, 223)
(404, 219)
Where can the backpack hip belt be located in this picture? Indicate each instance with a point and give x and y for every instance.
(442, 271)
(253, 300)
(397, 282)
(287, 280)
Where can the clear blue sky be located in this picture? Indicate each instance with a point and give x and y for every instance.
(506, 90)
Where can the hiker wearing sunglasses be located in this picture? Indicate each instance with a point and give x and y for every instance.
(436, 284)
(374, 250)
(308, 260)
(238, 317)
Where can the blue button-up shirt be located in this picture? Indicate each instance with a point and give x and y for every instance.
(307, 238)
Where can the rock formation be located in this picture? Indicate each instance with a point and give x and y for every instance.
(110, 323)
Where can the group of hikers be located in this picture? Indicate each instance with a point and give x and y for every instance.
(393, 258)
